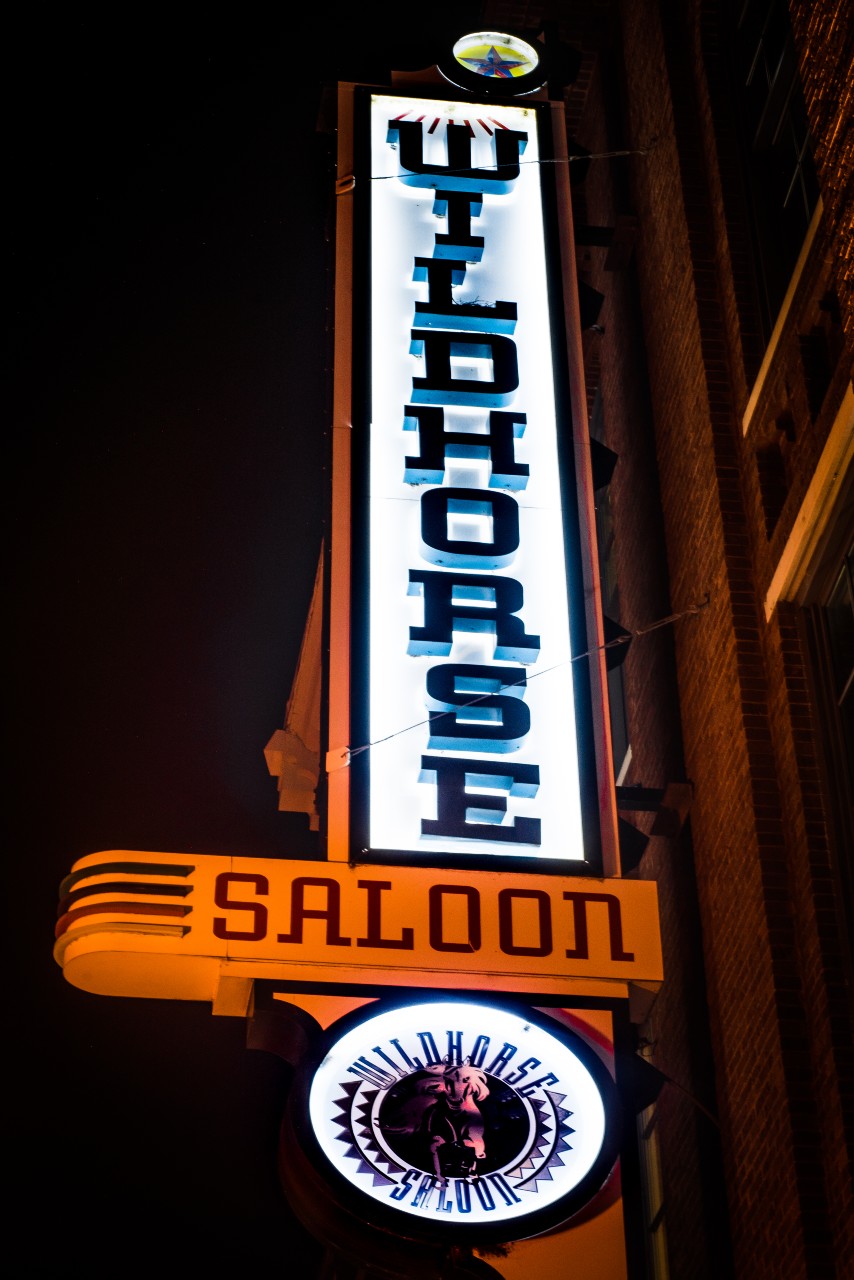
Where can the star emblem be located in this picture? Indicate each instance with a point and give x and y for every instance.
(494, 65)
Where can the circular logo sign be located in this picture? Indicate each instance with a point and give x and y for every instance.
(497, 56)
(495, 62)
(464, 1117)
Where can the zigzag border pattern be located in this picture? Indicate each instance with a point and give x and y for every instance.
(358, 1138)
(550, 1141)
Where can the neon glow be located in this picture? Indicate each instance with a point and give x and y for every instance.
(469, 622)
(458, 1113)
(496, 55)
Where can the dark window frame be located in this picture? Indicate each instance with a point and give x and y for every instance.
(781, 178)
(827, 627)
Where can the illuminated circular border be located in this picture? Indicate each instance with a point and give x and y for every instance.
(568, 1098)
(464, 71)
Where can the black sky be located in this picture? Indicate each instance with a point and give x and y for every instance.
(168, 197)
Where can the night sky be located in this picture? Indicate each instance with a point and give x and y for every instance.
(169, 371)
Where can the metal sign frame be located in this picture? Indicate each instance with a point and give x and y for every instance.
(365, 763)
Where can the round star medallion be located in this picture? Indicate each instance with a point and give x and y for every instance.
(495, 63)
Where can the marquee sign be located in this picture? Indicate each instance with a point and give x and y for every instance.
(454, 628)
(179, 927)
(472, 602)
(459, 1118)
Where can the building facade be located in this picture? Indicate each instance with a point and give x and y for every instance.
(713, 215)
(710, 171)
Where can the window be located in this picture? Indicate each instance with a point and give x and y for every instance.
(839, 628)
(829, 620)
(781, 175)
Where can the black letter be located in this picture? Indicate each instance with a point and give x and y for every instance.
(437, 444)
(459, 207)
(489, 720)
(439, 386)
(500, 513)
(446, 610)
(457, 174)
(454, 802)
(441, 312)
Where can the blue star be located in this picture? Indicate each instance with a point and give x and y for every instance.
(494, 65)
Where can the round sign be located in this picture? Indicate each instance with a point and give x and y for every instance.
(495, 62)
(463, 1119)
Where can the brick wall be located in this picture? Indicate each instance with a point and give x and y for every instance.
(824, 39)
(616, 373)
(755, 1017)
(707, 552)
(770, 935)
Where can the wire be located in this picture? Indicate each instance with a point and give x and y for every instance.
(493, 168)
(350, 752)
(348, 181)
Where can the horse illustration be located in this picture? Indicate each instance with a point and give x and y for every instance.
(441, 1106)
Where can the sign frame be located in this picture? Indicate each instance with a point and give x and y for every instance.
(172, 926)
(360, 766)
(462, 77)
(301, 1143)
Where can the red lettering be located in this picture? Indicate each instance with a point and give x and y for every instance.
(505, 922)
(581, 950)
(374, 938)
(223, 883)
(331, 913)
(437, 924)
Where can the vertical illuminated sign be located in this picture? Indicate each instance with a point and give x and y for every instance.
(472, 707)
